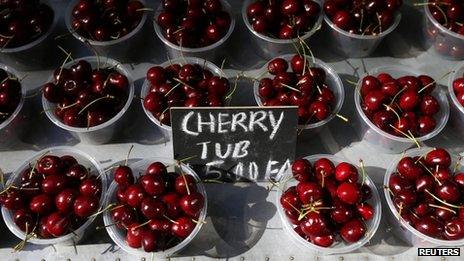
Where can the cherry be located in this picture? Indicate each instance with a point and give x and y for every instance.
(49, 165)
(353, 231)
(454, 229)
(408, 168)
(182, 227)
(152, 184)
(368, 84)
(341, 214)
(346, 172)
(84, 206)
(53, 184)
(134, 195)
(149, 241)
(459, 179)
(448, 191)
(185, 184)
(123, 176)
(64, 201)
(57, 224)
(290, 199)
(374, 100)
(277, 65)
(365, 210)
(75, 170)
(24, 219)
(41, 204)
(348, 193)
(425, 183)
(172, 203)
(429, 226)
(152, 208)
(160, 225)
(192, 204)
(309, 192)
(134, 235)
(324, 167)
(301, 169)
(123, 216)
(405, 198)
(90, 187)
(409, 100)
(438, 157)
(12, 199)
(342, 20)
(323, 241)
(314, 225)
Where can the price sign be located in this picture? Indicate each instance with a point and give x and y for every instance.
(255, 143)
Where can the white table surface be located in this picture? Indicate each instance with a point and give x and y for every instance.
(242, 223)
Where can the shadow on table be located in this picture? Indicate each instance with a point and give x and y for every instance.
(384, 242)
(237, 218)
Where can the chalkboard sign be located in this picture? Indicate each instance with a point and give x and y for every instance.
(255, 143)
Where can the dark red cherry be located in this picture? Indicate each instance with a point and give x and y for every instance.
(353, 231)
(182, 227)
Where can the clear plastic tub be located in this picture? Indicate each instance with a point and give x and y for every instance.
(121, 49)
(39, 54)
(401, 227)
(271, 47)
(457, 110)
(118, 235)
(388, 143)
(333, 81)
(166, 129)
(104, 132)
(209, 52)
(356, 45)
(71, 238)
(443, 42)
(339, 247)
(12, 129)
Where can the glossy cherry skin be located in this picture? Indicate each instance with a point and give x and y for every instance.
(84, 206)
(53, 184)
(134, 235)
(314, 225)
(438, 157)
(408, 168)
(454, 229)
(41, 204)
(123, 216)
(156, 168)
(397, 183)
(353, 231)
(134, 195)
(448, 191)
(64, 200)
(76, 171)
(348, 193)
(341, 214)
(192, 204)
(91, 187)
(182, 227)
(12, 199)
(58, 224)
(290, 200)
(49, 165)
(346, 172)
(152, 208)
(152, 184)
(185, 184)
(366, 211)
(24, 219)
(301, 169)
(149, 241)
(123, 176)
(309, 192)
(429, 226)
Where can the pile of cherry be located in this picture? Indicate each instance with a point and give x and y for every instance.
(22, 22)
(371, 17)
(10, 95)
(302, 86)
(106, 20)
(159, 209)
(86, 97)
(187, 85)
(458, 87)
(53, 198)
(193, 23)
(328, 200)
(448, 13)
(283, 19)
(427, 192)
(403, 107)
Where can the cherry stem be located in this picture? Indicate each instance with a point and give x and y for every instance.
(412, 138)
(441, 201)
(109, 207)
(400, 210)
(445, 208)
(128, 154)
(456, 166)
(141, 225)
(343, 118)
(169, 219)
(431, 173)
(95, 101)
(145, 9)
(182, 82)
(380, 23)
(229, 96)
(198, 222)
(105, 226)
(389, 190)
(434, 81)
(172, 89)
(352, 83)
(290, 87)
(363, 171)
(2, 177)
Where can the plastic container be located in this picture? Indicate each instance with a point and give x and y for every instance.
(443, 42)
(388, 143)
(356, 45)
(339, 247)
(121, 49)
(457, 110)
(333, 81)
(12, 129)
(209, 52)
(104, 132)
(76, 235)
(39, 54)
(166, 129)
(118, 235)
(271, 47)
(401, 227)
